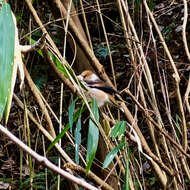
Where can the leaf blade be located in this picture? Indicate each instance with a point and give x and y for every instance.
(71, 110)
(93, 136)
(7, 38)
(112, 154)
(77, 140)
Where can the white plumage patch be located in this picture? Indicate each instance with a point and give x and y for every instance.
(93, 77)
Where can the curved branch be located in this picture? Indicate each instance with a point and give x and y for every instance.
(44, 161)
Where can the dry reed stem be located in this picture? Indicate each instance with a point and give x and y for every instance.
(89, 175)
(175, 75)
(36, 94)
(34, 47)
(178, 146)
(42, 27)
(84, 45)
(86, 24)
(186, 98)
(145, 146)
(43, 130)
(107, 43)
(184, 140)
(149, 80)
(177, 81)
(44, 161)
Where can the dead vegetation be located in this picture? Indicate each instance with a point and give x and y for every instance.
(138, 47)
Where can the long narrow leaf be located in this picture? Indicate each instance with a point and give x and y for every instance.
(58, 65)
(127, 172)
(58, 137)
(7, 41)
(77, 140)
(112, 154)
(118, 129)
(93, 136)
(17, 65)
(71, 112)
(76, 116)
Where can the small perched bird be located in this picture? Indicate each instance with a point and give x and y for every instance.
(98, 89)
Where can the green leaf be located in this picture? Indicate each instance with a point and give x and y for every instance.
(118, 129)
(7, 43)
(76, 116)
(101, 51)
(151, 5)
(71, 111)
(93, 136)
(152, 180)
(58, 137)
(59, 65)
(112, 154)
(127, 170)
(77, 140)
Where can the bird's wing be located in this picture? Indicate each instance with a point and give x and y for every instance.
(99, 84)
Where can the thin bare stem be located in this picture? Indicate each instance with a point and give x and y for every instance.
(44, 161)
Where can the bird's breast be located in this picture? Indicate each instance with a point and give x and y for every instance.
(100, 96)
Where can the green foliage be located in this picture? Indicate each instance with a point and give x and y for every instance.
(93, 136)
(40, 81)
(8, 180)
(152, 180)
(151, 5)
(7, 42)
(71, 112)
(65, 69)
(77, 140)
(168, 29)
(112, 154)
(59, 65)
(178, 125)
(66, 128)
(39, 181)
(127, 170)
(101, 51)
(118, 129)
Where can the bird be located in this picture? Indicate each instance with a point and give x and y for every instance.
(98, 89)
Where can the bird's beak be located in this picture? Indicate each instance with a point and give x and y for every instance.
(80, 77)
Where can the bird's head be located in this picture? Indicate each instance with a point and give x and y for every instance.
(88, 76)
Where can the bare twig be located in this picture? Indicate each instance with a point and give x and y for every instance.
(36, 46)
(175, 75)
(36, 93)
(43, 130)
(157, 126)
(89, 175)
(186, 98)
(44, 161)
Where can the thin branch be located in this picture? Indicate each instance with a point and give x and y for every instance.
(34, 47)
(44, 161)
(36, 93)
(157, 126)
(186, 98)
(43, 130)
